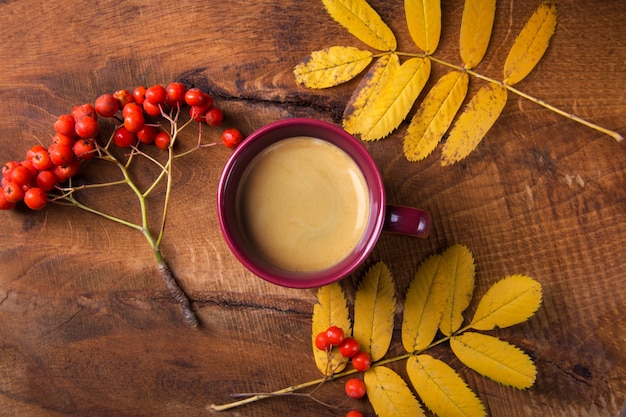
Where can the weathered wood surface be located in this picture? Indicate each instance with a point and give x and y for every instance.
(87, 326)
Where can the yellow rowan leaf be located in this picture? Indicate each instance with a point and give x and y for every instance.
(509, 301)
(495, 359)
(476, 27)
(331, 66)
(423, 17)
(463, 271)
(363, 22)
(442, 390)
(374, 311)
(435, 115)
(424, 303)
(531, 43)
(389, 394)
(473, 124)
(393, 103)
(371, 83)
(330, 310)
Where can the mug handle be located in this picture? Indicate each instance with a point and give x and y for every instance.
(407, 221)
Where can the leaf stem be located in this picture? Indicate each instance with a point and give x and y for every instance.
(615, 135)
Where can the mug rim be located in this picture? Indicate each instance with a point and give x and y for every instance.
(239, 160)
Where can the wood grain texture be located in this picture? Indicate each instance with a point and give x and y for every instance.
(88, 328)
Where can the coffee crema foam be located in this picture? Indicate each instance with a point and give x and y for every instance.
(304, 204)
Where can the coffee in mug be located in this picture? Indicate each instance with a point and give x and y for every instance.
(303, 204)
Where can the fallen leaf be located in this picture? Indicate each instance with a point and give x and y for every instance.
(442, 390)
(531, 43)
(463, 271)
(423, 18)
(424, 303)
(473, 124)
(495, 359)
(509, 301)
(476, 27)
(379, 74)
(331, 309)
(363, 22)
(374, 311)
(434, 115)
(385, 113)
(389, 395)
(331, 66)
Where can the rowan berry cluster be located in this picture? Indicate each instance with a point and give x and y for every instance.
(350, 349)
(77, 133)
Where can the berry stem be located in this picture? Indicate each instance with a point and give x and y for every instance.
(293, 388)
(176, 290)
(104, 154)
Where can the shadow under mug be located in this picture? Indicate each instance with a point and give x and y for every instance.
(382, 217)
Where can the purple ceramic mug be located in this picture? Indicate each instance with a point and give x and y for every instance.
(382, 217)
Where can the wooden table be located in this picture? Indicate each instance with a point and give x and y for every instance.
(88, 327)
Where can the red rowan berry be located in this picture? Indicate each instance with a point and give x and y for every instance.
(361, 361)
(349, 347)
(106, 105)
(35, 198)
(354, 413)
(195, 97)
(13, 192)
(8, 168)
(156, 94)
(84, 148)
(123, 137)
(214, 117)
(87, 127)
(124, 97)
(134, 121)
(147, 134)
(335, 335)
(231, 138)
(175, 94)
(355, 388)
(41, 160)
(321, 341)
(4, 203)
(61, 154)
(132, 108)
(139, 94)
(65, 172)
(151, 109)
(162, 140)
(46, 180)
(21, 175)
(84, 110)
(65, 125)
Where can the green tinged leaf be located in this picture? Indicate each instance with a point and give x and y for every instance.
(425, 301)
(531, 43)
(442, 389)
(374, 310)
(509, 301)
(476, 27)
(385, 113)
(362, 22)
(462, 280)
(331, 309)
(435, 115)
(389, 394)
(423, 17)
(495, 359)
(331, 66)
(369, 88)
(473, 124)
